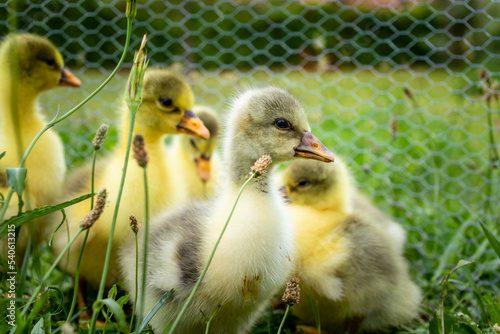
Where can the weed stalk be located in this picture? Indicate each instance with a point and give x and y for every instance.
(284, 318)
(146, 237)
(209, 320)
(136, 281)
(134, 100)
(290, 298)
(96, 143)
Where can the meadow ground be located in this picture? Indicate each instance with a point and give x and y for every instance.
(417, 142)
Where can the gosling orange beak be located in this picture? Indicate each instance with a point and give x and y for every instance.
(311, 148)
(203, 165)
(192, 125)
(68, 79)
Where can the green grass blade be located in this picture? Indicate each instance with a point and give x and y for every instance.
(167, 327)
(60, 299)
(434, 325)
(38, 329)
(209, 321)
(123, 300)
(451, 249)
(24, 269)
(475, 291)
(461, 264)
(58, 227)
(47, 275)
(37, 213)
(494, 312)
(269, 319)
(37, 306)
(3, 263)
(155, 309)
(48, 323)
(16, 178)
(493, 241)
(115, 308)
(113, 292)
(315, 314)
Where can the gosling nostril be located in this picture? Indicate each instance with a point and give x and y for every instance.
(196, 124)
(315, 145)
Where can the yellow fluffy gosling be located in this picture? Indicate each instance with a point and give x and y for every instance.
(166, 109)
(39, 68)
(194, 161)
(349, 254)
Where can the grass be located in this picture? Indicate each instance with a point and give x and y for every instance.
(430, 172)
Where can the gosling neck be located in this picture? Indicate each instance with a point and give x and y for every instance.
(151, 137)
(238, 168)
(21, 100)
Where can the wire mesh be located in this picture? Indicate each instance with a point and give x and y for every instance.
(391, 85)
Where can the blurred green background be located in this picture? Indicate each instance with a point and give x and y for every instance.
(244, 34)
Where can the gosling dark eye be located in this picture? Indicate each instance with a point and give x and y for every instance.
(165, 101)
(303, 183)
(282, 124)
(50, 61)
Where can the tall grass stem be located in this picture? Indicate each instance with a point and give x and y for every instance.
(77, 272)
(92, 177)
(77, 277)
(315, 311)
(145, 247)
(133, 98)
(284, 318)
(209, 321)
(136, 281)
(100, 293)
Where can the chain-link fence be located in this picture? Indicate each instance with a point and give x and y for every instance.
(392, 85)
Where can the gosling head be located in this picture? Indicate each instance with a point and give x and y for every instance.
(39, 64)
(167, 105)
(198, 150)
(317, 184)
(270, 121)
